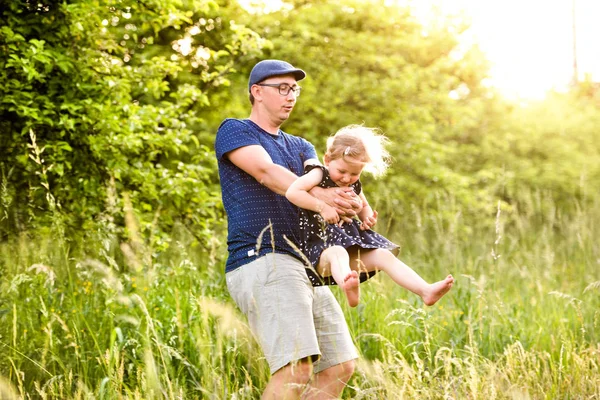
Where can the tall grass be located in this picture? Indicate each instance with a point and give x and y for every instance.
(103, 319)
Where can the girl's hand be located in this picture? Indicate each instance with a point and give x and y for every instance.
(369, 222)
(329, 214)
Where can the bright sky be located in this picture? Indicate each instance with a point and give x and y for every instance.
(530, 42)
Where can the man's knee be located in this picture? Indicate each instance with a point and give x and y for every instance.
(302, 369)
(342, 372)
(347, 370)
(289, 382)
(298, 372)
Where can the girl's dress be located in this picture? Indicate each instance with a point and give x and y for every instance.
(317, 235)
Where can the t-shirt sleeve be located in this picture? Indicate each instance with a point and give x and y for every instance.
(309, 151)
(310, 167)
(232, 135)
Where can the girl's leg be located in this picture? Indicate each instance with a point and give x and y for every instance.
(402, 274)
(335, 262)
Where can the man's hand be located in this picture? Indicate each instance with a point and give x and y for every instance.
(342, 199)
(348, 203)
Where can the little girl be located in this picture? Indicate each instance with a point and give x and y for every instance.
(350, 252)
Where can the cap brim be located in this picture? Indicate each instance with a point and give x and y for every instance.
(299, 74)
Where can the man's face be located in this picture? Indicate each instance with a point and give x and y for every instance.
(277, 105)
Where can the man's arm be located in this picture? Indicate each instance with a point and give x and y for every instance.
(256, 162)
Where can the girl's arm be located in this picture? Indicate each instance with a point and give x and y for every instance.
(367, 215)
(298, 194)
(342, 199)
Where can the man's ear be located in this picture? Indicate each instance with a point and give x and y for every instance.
(256, 92)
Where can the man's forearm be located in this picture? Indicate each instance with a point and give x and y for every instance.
(276, 178)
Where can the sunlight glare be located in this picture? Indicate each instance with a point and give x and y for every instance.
(529, 43)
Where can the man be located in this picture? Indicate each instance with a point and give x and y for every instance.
(301, 329)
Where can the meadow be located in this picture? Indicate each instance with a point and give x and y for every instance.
(98, 318)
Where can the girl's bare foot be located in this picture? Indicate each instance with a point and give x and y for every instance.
(437, 290)
(351, 287)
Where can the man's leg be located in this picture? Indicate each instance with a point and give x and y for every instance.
(276, 296)
(289, 382)
(330, 383)
(336, 365)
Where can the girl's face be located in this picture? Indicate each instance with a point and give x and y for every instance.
(344, 171)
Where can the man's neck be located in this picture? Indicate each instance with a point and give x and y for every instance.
(265, 123)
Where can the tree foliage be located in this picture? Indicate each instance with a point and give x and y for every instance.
(105, 97)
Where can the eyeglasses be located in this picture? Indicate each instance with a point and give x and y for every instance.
(284, 88)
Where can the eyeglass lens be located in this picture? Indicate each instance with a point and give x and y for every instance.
(285, 90)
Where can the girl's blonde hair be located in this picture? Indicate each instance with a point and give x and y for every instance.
(364, 144)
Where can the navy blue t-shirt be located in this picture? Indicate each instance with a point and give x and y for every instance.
(250, 206)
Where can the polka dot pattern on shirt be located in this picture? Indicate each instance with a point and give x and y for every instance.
(250, 206)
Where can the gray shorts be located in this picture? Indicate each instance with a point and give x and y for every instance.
(290, 318)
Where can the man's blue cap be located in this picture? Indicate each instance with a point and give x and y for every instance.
(268, 68)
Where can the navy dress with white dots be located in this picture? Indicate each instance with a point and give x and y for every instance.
(316, 235)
